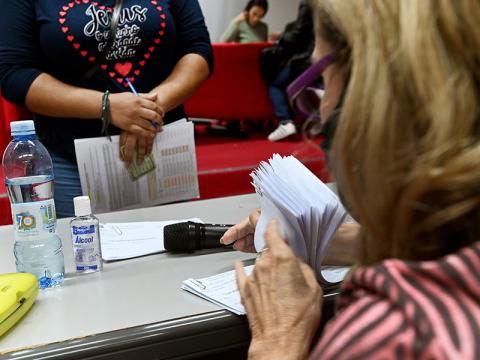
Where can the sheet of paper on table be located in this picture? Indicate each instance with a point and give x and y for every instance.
(222, 290)
(121, 241)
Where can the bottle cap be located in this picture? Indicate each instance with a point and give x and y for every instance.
(25, 127)
(82, 206)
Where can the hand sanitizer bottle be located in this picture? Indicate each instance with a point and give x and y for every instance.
(85, 232)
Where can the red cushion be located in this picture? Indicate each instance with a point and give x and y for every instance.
(235, 90)
(5, 215)
(8, 112)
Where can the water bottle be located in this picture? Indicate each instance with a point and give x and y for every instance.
(29, 180)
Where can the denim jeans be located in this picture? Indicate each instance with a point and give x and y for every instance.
(278, 96)
(67, 185)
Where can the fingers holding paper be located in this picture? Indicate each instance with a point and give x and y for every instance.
(242, 234)
(282, 299)
(131, 144)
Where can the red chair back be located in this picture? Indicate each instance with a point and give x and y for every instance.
(235, 90)
(8, 112)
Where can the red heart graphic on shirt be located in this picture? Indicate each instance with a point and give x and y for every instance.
(114, 69)
(123, 69)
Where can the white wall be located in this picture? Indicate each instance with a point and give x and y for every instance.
(219, 13)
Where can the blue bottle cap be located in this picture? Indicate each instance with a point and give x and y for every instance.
(26, 127)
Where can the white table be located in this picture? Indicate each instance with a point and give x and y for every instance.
(134, 308)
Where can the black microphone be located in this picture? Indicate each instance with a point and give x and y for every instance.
(190, 236)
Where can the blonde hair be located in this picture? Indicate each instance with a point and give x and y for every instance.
(407, 147)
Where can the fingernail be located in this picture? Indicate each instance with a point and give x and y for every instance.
(221, 240)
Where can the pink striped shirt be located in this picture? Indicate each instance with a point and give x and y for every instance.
(408, 310)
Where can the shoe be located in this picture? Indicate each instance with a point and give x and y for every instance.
(282, 131)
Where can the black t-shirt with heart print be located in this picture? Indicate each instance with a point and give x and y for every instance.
(64, 39)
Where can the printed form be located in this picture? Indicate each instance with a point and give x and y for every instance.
(105, 178)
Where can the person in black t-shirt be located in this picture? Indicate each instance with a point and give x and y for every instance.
(47, 51)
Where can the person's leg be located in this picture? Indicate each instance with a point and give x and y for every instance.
(281, 108)
(278, 96)
(67, 185)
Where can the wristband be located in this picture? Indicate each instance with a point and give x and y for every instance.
(106, 114)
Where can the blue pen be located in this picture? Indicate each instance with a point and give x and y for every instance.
(130, 85)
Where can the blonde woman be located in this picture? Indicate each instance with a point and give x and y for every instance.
(406, 158)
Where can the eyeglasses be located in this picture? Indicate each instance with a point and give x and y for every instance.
(306, 91)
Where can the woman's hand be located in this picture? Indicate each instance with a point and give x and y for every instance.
(282, 299)
(130, 142)
(243, 16)
(136, 114)
(241, 235)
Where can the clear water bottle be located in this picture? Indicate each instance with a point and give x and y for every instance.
(29, 180)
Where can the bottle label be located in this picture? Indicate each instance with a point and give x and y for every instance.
(34, 219)
(86, 247)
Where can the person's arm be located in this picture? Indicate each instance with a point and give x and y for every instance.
(48, 96)
(341, 251)
(22, 81)
(265, 35)
(194, 66)
(189, 73)
(282, 299)
(194, 53)
(299, 33)
(231, 34)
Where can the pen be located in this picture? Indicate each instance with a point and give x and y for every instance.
(130, 85)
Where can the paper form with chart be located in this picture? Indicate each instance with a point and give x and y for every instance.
(105, 178)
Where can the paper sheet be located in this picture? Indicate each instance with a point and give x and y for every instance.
(219, 289)
(222, 289)
(128, 240)
(104, 177)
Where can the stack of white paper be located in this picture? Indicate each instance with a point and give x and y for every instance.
(308, 212)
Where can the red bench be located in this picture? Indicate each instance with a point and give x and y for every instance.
(8, 113)
(235, 90)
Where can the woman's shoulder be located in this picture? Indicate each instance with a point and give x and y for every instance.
(417, 306)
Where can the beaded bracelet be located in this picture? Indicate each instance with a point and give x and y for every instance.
(106, 114)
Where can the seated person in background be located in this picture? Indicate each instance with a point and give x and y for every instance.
(248, 26)
(405, 155)
(284, 62)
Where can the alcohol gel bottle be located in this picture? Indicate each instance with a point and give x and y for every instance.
(85, 232)
(29, 180)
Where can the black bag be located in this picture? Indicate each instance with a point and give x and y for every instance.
(272, 60)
